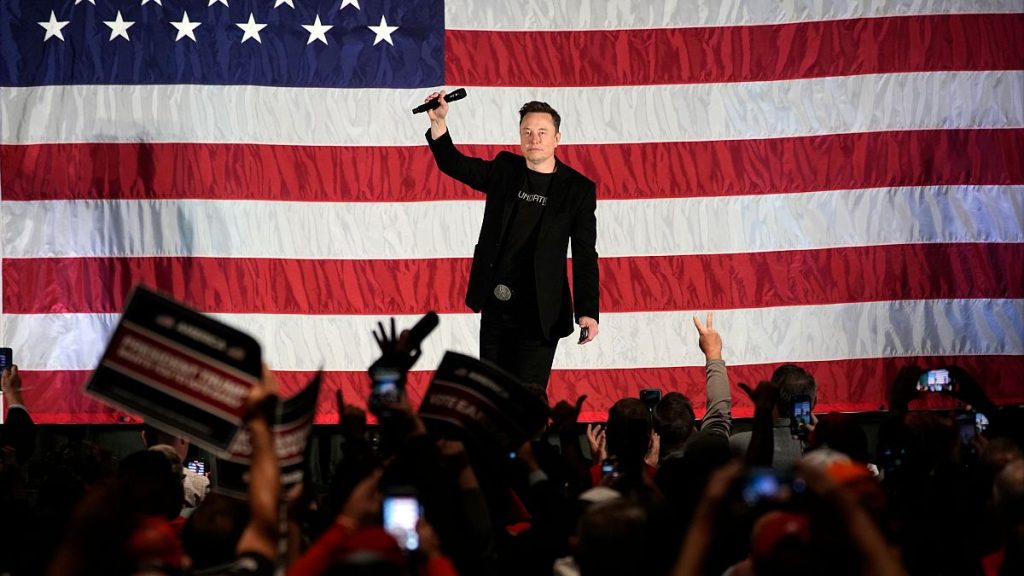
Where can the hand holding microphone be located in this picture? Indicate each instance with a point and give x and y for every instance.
(435, 102)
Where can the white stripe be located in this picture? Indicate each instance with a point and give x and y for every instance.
(865, 103)
(626, 340)
(233, 229)
(535, 15)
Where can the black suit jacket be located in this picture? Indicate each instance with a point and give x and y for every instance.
(570, 215)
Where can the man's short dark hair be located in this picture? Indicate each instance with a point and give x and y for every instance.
(793, 380)
(543, 108)
(673, 419)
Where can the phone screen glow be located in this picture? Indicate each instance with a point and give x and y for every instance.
(935, 381)
(401, 513)
(802, 412)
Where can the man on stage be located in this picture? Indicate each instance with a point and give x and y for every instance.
(535, 206)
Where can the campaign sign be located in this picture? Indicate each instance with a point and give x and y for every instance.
(482, 401)
(293, 425)
(182, 371)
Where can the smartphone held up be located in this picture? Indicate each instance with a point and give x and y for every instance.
(401, 513)
(801, 415)
(650, 397)
(937, 380)
(197, 466)
(386, 389)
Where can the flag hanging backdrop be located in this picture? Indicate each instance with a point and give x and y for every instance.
(842, 183)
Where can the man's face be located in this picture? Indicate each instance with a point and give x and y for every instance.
(538, 137)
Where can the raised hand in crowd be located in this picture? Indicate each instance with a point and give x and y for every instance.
(362, 508)
(400, 351)
(457, 459)
(395, 352)
(564, 415)
(596, 440)
(10, 385)
(653, 451)
(761, 450)
(19, 431)
(260, 537)
(710, 341)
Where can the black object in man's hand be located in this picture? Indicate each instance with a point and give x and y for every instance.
(452, 96)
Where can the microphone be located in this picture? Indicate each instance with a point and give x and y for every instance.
(452, 96)
(423, 328)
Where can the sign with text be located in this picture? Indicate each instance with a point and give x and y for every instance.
(291, 437)
(182, 371)
(482, 401)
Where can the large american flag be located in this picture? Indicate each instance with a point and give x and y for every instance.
(841, 182)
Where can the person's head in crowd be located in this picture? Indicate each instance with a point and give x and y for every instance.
(673, 420)
(154, 436)
(612, 537)
(628, 433)
(935, 440)
(780, 544)
(150, 483)
(213, 530)
(793, 380)
(842, 433)
(123, 525)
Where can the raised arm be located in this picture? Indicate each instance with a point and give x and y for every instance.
(262, 532)
(473, 172)
(19, 431)
(718, 406)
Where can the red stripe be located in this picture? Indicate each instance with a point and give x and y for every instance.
(384, 287)
(735, 53)
(54, 397)
(622, 171)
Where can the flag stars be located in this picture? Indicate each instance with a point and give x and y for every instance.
(93, 2)
(212, 2)
(186, 28)
(159, 2)
(353, 3)
(317, 31)
(383, 32)
(280, 2)
(251, 29)
(118, 27)
(53, 27)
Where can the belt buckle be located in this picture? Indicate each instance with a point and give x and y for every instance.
(502, 293)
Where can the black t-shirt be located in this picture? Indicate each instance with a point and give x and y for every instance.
(515, 262)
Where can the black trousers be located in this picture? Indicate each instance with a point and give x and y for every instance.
(510, 337)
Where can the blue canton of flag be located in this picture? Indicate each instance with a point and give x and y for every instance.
(302, 43)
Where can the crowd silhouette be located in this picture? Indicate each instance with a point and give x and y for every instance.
(652, 491)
